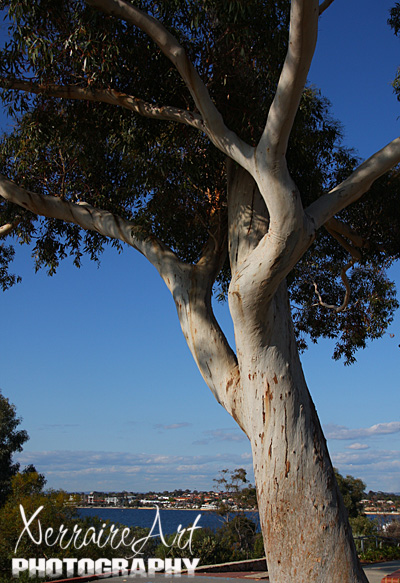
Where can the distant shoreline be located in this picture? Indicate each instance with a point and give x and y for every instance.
(203, 509)
(153, 507)
(160, 507)
(384, 513)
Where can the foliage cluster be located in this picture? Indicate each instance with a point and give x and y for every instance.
(165, 177)
(27, 490)
(385, 551)
(11, 441)
(369, 538)
(352, 490)
(240, 495)
(235, 540)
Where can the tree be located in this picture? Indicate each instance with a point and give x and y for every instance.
(240, 493)
(11, 441)
(56, 512)
(352, 490)
(188, 172)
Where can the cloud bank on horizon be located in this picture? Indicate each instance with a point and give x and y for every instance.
(105, 471)
(340, 432)
(140, 472)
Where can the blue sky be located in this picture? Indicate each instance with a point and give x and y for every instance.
(96, 364)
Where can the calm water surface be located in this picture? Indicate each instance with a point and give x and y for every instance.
(170, 519)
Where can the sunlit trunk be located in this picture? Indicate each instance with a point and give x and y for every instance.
(304, 523)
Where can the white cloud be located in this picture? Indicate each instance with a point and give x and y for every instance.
(341, 432)
(218, 435)
(357, 446)
(173, 425)
(379, 469)
(103, 470)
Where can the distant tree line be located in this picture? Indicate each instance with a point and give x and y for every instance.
(238, 538)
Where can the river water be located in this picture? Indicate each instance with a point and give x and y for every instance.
(169, 519)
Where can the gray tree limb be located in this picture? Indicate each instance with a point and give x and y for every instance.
(324, 5)
(357, 184)
(110, 96)
(190, 286)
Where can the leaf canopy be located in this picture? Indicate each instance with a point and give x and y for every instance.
(167, 177)
(394, 22)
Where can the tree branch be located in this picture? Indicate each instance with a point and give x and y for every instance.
(324, 6)
(346, 300)
(302, 41)
(226, 140)
(342, 229)
(210, 349)
(92, 219)
(9, 227)
(110, 96)
(342, 241)
(351, 189)
(190, 285)
(337, 229)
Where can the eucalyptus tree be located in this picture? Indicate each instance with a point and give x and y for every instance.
(186, 131)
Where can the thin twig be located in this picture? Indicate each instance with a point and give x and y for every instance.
(346, 283)
(9, 227)
(355, 253)
(324, 6)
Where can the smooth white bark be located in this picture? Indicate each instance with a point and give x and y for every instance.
(357, 184)
(302, 42)
(215, 359)
(305, 527)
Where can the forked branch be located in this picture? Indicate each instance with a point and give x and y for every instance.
(355, 253)
(341, 228)
(190, 285)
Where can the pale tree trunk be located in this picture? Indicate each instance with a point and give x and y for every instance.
(304, 522)
(306, 532)
(303, 519)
